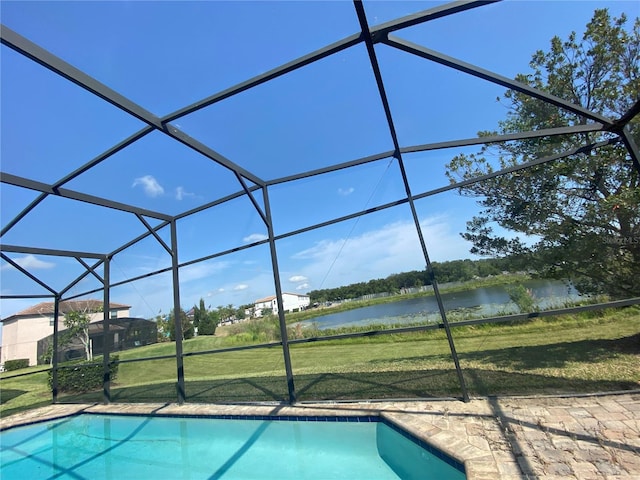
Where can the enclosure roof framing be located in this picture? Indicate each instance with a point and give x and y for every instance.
(29, 49)
(484, 74)
(82, 197)
(264, 147)
(380, 31)
(368, 36)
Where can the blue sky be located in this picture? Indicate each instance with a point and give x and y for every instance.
(166, 55)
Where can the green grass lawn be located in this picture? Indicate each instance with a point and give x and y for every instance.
(572, 354)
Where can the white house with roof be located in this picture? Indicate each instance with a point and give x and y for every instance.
(22, 331)
(291, 302)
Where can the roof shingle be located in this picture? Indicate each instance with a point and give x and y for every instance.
(46, 308)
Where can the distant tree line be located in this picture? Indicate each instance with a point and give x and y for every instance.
(451, 271)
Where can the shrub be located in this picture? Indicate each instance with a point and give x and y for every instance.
(84, 376)
(523, 298)
(16, 364)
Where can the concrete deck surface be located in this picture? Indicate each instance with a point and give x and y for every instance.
(587, 437)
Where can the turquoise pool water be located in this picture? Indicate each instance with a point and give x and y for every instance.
(137, 447)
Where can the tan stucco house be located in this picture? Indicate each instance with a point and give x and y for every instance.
(22, 331)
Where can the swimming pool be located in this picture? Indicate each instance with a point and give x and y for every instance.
(99, 446)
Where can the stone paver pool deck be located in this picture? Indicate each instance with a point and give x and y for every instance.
(589, 437)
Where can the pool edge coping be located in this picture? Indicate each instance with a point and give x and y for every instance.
(502, 437)
(281, 412)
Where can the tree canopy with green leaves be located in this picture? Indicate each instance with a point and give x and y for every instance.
(205, 320)
(76, 323)
(578, 216)
(185, 322)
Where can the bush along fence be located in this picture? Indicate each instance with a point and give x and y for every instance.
(84, 377)
(16, 364)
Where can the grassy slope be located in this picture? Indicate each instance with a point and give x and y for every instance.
(574, 354)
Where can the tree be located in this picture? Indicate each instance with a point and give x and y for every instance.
(523, 298)
(208, 323)
(580, 215)
(199, 313)
(187, 326)
(227, 313)
(163, 328)
(76, 323)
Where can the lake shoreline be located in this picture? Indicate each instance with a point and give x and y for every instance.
(347, 305)
(481, 301)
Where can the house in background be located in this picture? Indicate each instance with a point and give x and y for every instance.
(22, 331)
(124, 333)
(291, 302)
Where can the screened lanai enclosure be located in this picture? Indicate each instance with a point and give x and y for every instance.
(449, 190)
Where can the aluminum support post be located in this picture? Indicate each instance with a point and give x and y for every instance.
(106, 343)
(276, 279)
(177, 320)
(54, 350)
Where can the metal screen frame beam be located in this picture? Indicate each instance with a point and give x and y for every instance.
(362, 18)
(516, 168)
(45, 58)
(48, 251)
(18, 297)
(90, 269)
(370, 36)
(217, 202)
(103, 156)
(23, 213)
(464, 142)
(624, 120)
(265, 77)
(154, 234)
(492, 77)
(25, 272)
(82, 276)
(79, 196)
(632, 148)
(278, 287)
(378, 31)
(253, 200)
(467, 142)
(106, 344)
(385, 206)
(54, 347)
(177, 319)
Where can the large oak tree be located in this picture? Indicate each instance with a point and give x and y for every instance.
(577, 217)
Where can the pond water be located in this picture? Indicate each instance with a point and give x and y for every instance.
(485, 301)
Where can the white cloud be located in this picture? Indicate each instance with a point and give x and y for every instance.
(199, 271)
(378, 253)
(150, 185)
(255, 237)
(181, 193)
(328, 262)
(215, 292)
(298, 278)
(346, 191)
(30, 262)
